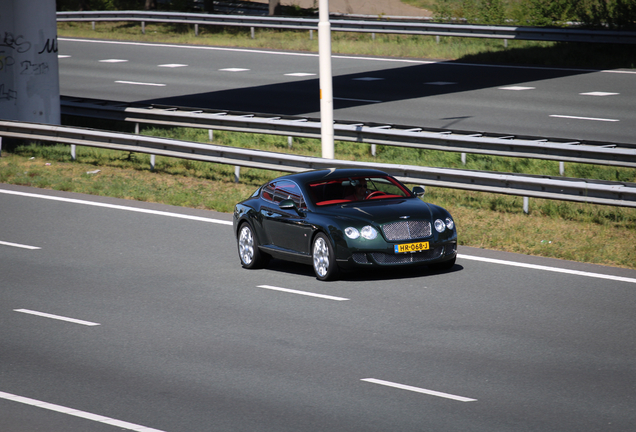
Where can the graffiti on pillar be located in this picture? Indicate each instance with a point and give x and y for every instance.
(29, 68)
(7, 94)
(16, 43)
(50, 46)
(5, 62)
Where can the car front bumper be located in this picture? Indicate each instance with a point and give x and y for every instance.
(437, 253)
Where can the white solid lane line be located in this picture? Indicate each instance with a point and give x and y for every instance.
(76, 413)
(116, 207)
(418, 390)
(584, 118)
(546, 268)
(19, 245)
(56, 317)
(305, 293)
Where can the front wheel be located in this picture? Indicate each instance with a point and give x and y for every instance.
(324, 258)
(251, 257)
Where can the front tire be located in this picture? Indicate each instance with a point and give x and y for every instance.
(251, 257)
(324, 259)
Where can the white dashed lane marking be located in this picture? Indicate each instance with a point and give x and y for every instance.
(584, 118)
(418, 390)
(305, 293)
(18, 245)
(368, 79)
(300, 74)
(140, 83)
(77, 413)
(113, 61)
(598, 93)
(517, 88)
(56, 317)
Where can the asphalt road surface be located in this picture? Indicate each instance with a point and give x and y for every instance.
(598, 105)
(120, 315)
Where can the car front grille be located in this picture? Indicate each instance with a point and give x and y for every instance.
(384, 258)
(407, 230)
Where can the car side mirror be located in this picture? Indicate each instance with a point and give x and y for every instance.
(289, 204)
(419, 191)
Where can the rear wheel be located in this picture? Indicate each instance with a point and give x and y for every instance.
(324, 258)
(251, 257)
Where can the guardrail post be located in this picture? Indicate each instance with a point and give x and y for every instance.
(237, 173)
(526, 205)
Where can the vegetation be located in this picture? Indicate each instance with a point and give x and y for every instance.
(606, 14)
(613, 14)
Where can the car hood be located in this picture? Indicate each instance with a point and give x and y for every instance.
(383, 211)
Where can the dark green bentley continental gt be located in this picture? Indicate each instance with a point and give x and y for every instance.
(343, 219)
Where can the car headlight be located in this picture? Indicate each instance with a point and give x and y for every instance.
(449, 223)
(369, 233)
(440, 226)
(352, 233)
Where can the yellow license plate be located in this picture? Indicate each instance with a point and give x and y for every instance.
(411, 247)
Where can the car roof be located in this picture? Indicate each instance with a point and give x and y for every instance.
(333, 173)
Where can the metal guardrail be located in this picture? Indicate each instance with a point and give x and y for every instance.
(578, 190)
(611, 154)
(379, 25)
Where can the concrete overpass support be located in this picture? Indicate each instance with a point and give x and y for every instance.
(29, 76)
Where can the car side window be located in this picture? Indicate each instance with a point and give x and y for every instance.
(281, 190)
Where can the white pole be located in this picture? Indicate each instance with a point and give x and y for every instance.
(326, 88)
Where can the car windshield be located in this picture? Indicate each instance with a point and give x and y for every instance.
(352, 189)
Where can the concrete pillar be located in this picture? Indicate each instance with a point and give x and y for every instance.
(29, 76)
